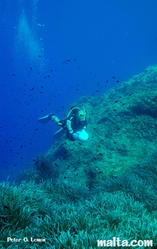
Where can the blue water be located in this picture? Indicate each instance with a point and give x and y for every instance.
(54, 52)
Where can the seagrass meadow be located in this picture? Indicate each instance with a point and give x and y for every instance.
(80, 192)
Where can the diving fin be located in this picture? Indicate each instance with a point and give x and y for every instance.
(45, 119)
(58, 131)
(58, 134)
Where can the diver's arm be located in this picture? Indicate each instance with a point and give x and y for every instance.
(70, 130)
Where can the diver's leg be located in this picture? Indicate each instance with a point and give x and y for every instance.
(55, 119)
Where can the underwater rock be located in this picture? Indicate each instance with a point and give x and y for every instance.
(122, 127)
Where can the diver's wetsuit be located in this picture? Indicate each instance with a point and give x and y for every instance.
(76, 126)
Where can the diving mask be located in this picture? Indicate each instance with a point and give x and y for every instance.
(82, 115)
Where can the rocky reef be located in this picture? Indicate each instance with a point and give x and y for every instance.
(79, 192)
(122, 127)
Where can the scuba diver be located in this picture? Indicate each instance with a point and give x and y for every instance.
(74, 124)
